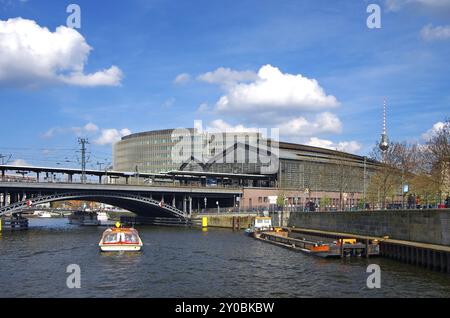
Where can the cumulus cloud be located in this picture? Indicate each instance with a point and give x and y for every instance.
(430, 33)
(182, 78)
(433, 130)
(227, 76)
(32, 55)
(300, 126)
(273, 90)
(346, 146)
(110, 136)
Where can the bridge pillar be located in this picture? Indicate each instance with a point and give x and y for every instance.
(184, 203)
(100, 179)
(190, 205)
(173, 201)
(4, 198)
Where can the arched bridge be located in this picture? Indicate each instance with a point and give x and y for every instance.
(138, 204)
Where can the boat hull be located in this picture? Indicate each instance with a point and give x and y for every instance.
(120, 248)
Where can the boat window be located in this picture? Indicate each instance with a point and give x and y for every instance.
(130, 238)
(111, 238)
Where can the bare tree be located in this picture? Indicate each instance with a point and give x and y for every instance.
(436, 161)
(387, 180)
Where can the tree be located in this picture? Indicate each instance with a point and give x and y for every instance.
(436, 161)
(387, 179)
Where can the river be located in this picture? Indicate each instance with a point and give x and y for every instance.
(188, 262)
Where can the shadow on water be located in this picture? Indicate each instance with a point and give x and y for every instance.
(187, 262)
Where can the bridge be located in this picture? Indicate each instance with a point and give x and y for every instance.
(174, 194)
(155, 201)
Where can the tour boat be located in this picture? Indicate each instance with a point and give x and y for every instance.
(120, 239)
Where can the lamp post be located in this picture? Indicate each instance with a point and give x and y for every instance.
(218, 207)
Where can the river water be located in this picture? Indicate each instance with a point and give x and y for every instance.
(187, 262)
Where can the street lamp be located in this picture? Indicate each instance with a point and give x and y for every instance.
(218, 207)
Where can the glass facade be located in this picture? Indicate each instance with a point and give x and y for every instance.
(299, 167)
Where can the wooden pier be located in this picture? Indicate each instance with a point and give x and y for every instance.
(430, 256)
(341, 248)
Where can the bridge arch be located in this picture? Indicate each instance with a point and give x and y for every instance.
(140, 205)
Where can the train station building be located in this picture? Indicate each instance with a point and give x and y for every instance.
(265, 168)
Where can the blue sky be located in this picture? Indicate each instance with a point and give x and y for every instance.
(228, 51)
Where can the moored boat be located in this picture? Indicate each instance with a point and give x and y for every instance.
(120, 239)
(84, 218)
(260, 224)
(43, 214)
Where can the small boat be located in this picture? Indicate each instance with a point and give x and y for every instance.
(44, 215)
(260, 224)
(120, 239)
(84, 218)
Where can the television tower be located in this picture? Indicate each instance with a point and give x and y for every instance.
(384, 142)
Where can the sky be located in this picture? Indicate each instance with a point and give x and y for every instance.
(312, 68)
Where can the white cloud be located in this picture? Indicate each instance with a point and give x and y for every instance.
(220, 125)
(168, 102)
(273, 91)
(182, 78)
(433, 130)
(89, 128)
(32, 56)
(227, 76)
(20, 162)
(431, 33)
(300, 126)
(110, 136)
(346, 146)
(203, 108)
(395, 5)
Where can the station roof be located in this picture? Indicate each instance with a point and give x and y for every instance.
(171, 174)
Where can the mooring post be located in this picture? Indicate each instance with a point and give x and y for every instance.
(367, 248)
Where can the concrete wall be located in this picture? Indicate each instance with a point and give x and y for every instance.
(226, 221)
(429, 226)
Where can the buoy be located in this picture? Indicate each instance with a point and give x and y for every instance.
(204, 221)
(117, 224)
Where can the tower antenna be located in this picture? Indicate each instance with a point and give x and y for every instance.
(384, 143)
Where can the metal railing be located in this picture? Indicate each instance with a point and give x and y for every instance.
(19, 206)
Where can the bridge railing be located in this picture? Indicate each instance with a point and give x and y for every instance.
(130, 184)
